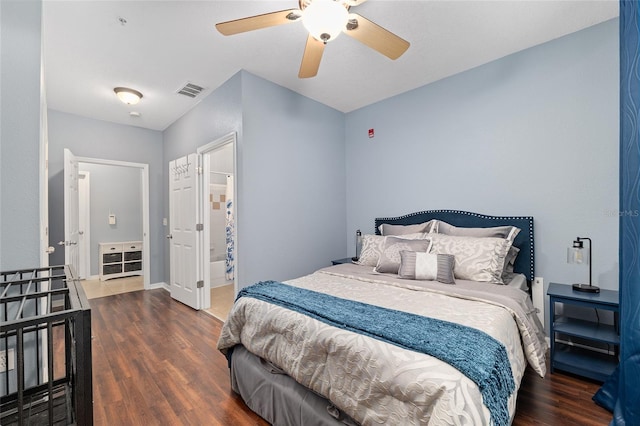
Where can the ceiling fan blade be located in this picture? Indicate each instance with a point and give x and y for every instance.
(376, 37)
(311, 59)
(259, 21)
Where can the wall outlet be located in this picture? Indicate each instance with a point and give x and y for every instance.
(7, 360)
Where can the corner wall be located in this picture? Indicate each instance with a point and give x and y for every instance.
(290, 175)
(292, 200)
(534, 133)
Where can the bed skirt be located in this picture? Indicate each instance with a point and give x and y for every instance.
(277, 398)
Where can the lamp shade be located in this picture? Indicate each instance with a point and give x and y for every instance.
(128, 96)
(325, 19)
(577, 255)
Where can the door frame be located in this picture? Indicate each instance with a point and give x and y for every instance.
(203, 202)
(144, 180)
(84, 191)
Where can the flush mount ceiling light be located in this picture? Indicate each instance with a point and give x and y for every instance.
(128, 96)
(324, 20)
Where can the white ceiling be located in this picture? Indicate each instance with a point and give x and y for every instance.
(165, 44)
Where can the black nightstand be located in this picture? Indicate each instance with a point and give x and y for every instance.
(582, 360)
(339, 261)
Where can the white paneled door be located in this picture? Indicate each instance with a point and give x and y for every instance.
(71, 202)
(183, 237)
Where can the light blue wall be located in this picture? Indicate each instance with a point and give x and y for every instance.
(290, 174)
(292, 201)
(86, 137)
(20, 45)
(116, 190)
(535, 133)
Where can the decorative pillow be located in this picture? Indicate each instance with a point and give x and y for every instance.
(476, 259)
(373, 246)
(507, 232)
(387, 229)
(427, 266)
(389, 261)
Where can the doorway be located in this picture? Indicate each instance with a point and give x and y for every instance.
(107, 223)
(218, 205)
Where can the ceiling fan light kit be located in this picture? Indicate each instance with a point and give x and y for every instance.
(324, 20)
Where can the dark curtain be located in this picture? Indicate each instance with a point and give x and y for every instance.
(621, 393)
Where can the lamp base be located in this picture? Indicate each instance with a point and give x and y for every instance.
(586, 288)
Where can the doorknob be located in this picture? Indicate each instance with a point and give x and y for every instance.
(169, 236)
(62, 243)
(50, 250)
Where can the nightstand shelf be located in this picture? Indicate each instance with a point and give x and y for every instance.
(584, 362)
(587, 329)
(582, 359)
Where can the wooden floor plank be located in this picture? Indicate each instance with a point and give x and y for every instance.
(155, 362)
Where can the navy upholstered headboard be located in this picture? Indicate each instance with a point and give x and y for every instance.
(524, 240)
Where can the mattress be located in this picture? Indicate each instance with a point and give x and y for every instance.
(375, 382)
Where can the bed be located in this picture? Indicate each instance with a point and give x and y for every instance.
(404, 336)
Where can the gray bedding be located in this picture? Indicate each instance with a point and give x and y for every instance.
(377, 383)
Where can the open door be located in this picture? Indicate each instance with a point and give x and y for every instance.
(71, 203)
(183, 237)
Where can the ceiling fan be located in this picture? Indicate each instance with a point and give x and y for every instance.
(325, 20)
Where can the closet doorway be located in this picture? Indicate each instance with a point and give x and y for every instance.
(218, 206)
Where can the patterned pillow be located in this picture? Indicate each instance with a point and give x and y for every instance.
(387, 229)
(389, 261)
(373, 246)
(476, 259)
(427, 266)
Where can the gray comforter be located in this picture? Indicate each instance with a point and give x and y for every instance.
(378, 383)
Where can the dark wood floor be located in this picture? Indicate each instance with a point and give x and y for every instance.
(155, 363)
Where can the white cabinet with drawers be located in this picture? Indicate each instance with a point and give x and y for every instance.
(122, 259)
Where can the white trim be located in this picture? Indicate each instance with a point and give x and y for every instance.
(144, 174)
(229, 138)
(161, 285)
(85, 199)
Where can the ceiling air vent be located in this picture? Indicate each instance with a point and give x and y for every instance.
(191, 90)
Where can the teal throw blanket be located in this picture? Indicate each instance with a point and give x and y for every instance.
(474, 353)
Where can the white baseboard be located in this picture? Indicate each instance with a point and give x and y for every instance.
(162, 285)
